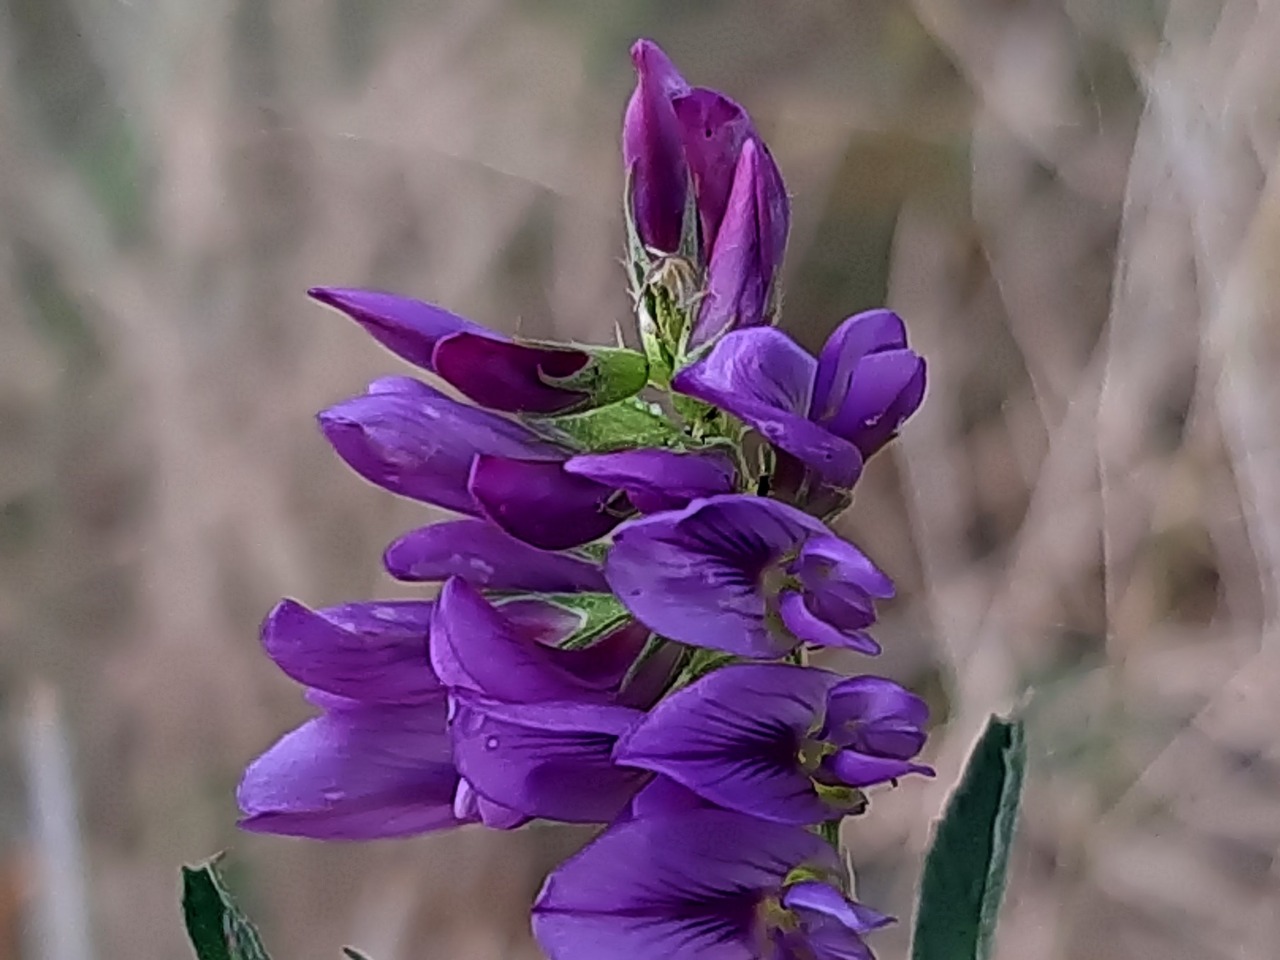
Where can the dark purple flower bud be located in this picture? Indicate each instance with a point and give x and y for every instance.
(413, 440)
(652, 149)
(543, 504)
(696, 885)
(485, 556)
(747, 575)
(783, 743)
(378, 762)
(409, 328)
(747, 254)
(537, 378)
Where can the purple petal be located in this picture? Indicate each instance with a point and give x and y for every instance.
(469, 807)
(483, 555)
(714, 129)
(733, 738)
(762, 377)
(876, 716)
(858, 336)
(421, 444)
(474, 647)
(374, 652)
(356, 774)
(805, 625)
(696, 860)
(816, 897)
(886, 389)
(503, 375)
(652, 151)
(693, 575)
(855, 769)
(664, 797)
(657, 480)
(541, 503)
(737, 285)
(830, 560)
(551, 759)
(774, 210)
(408, 328)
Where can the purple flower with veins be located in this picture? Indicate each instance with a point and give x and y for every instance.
(829, 414)
(747, 575)
(701, 885)
(533, 727)
(779, 742)
(378, 761)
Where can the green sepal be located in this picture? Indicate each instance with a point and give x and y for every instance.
(216, 926)
(611, 374)
(599, 614)
(624, 425)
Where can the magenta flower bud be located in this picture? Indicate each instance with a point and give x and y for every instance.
(747, 254)
(653, 151)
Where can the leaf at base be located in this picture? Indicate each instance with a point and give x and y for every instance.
(964, 872)
(216, 926)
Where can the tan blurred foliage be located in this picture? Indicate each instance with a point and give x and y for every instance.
(1075, 203)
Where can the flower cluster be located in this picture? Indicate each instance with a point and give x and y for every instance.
(640, 564)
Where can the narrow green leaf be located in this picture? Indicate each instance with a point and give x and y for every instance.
(964, 872)
(216, 926)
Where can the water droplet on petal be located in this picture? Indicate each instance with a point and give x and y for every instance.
(491, 743)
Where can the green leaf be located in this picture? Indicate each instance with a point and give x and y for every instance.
(351, 953)
(216, 926)
(964, 872)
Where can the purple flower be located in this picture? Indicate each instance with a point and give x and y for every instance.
(378, 761)
(409, 328)
(413, 440)
(532, 726)
(785, 743)
(700, 885)
(653, 150)
(747, 575)
(830, 413)
(485, 556)
(747, 254)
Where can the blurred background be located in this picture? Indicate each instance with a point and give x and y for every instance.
(1074, 203)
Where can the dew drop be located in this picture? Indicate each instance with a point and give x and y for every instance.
(491, 743)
